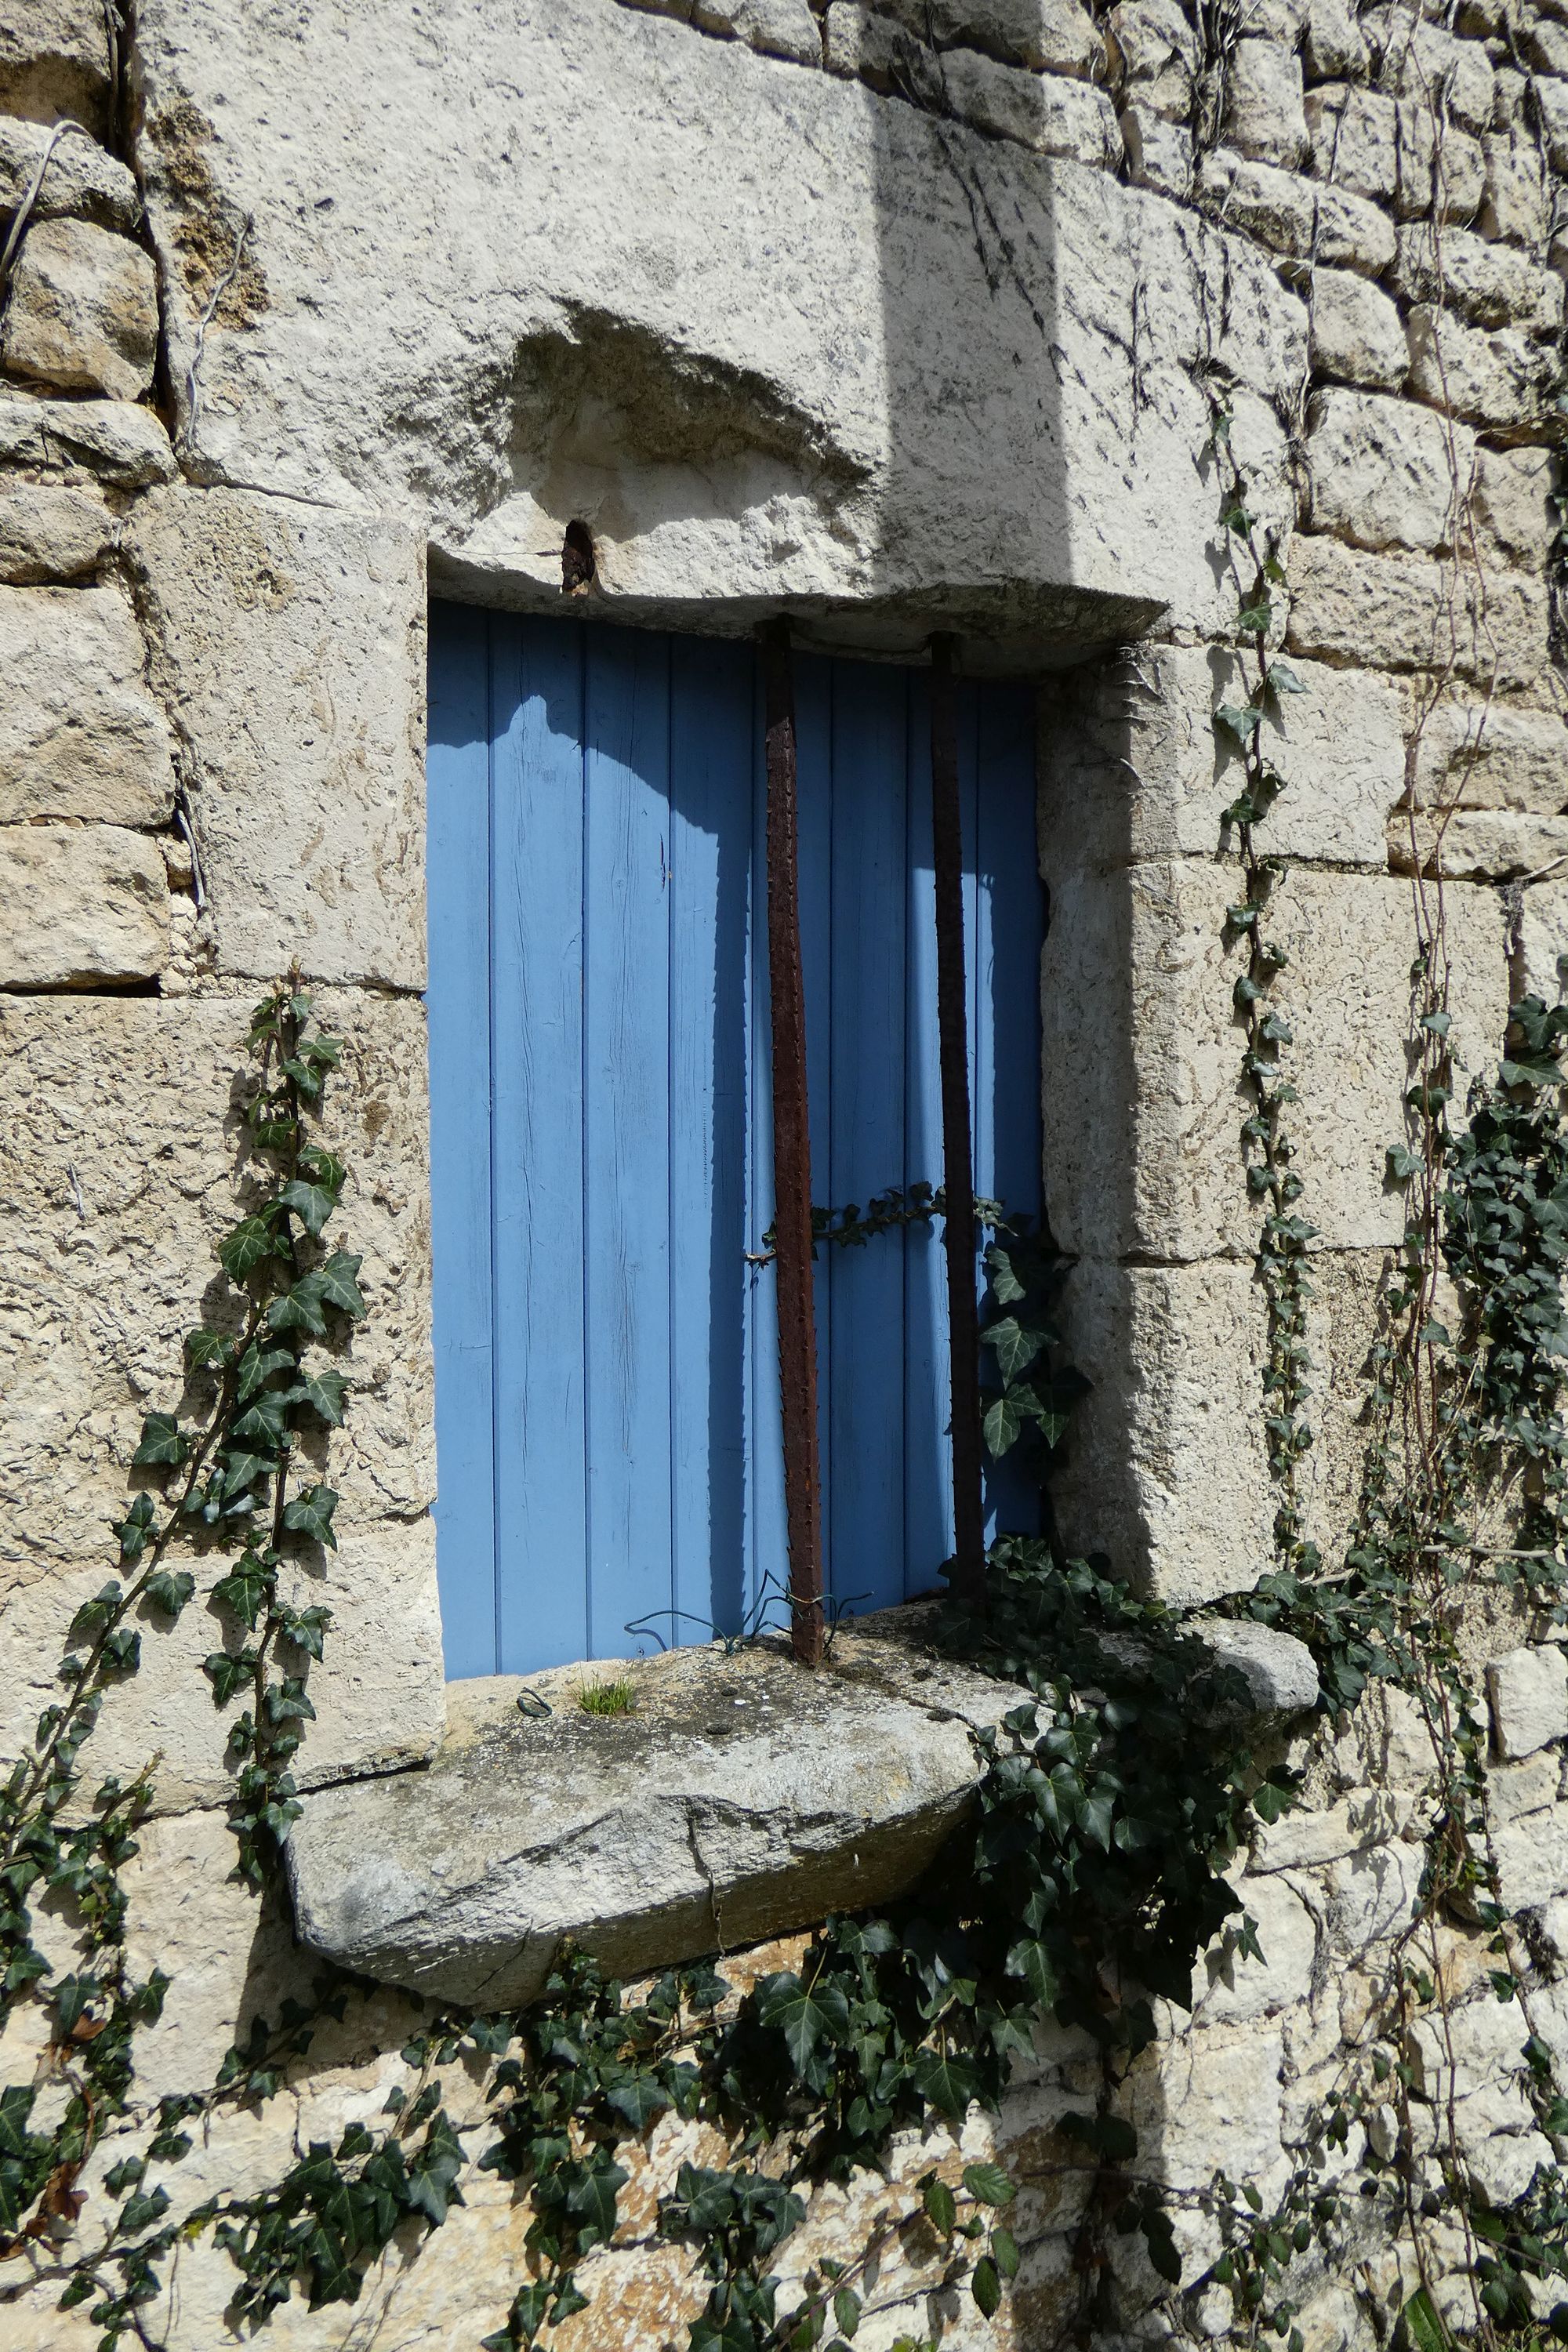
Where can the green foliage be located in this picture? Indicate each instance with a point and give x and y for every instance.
(615, 1697)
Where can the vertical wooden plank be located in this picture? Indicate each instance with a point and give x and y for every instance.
(766, 1538)
(928, 1475)
(537, 1144)
(1009, 934)
(457, 1010)
(626, 1084)
(867, 1152)
(712, 724)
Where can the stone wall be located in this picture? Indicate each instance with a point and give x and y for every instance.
(887, 316)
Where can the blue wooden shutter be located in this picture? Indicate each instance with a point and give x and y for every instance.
(605, 1359)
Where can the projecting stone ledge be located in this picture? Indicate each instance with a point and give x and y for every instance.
(743, 1797)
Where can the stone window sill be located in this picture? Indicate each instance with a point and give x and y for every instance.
(744, 1798)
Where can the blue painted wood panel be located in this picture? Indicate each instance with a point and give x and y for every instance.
(601, 1152)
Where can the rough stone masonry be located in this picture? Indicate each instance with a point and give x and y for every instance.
(885, 316)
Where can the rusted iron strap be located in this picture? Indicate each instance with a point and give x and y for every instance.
(958, 1173)
(792, 1159)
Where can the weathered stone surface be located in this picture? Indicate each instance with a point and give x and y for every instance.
(1479, 845)
(1159, 153)
(1543, 938)
(1533, 1859)
(81, 178)
(1497, 380)
(1421, 61)
(1302, 218)
(1232, 1988)
(1142, 1052)
(1264, 117)
(80, 734)
(743, 1797)
(1486, 282)
(1397, 612)
(289, 643)
(1551, 97)
(1517, 203)
(1053, 114)
(118, 1166)
(779, 28)
(1154, 50)
(1527, 1691)
(1335, 48)
(1132, 764)
(797, 400)
(83, 311)
(88, 904)
(1511, 505)
(125, 446)
(1354, 135)
(1488, 755)
(1052, 36)
(54, 59)
(1384, 474)
(51, 534)
(1357, 333)
(1277, 1669)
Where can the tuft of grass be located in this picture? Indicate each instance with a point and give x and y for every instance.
(607, 1698)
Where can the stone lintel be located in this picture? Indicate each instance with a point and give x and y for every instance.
(743, 1797)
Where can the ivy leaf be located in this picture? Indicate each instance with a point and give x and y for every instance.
(1424, 2328)
(1239, 720)
(138, 2212)
(432, 2175)
(250, 1245)
(1282, 679)
(802, 2014)
(939, 2203)
(1253, 620)
(311, 1514)
(988, 2184)
(137, 1529)
(1403, 1163)
(1029, 1959)
(339, 1287)
(228, 1674)
(1015, 1344)
(170, 1589)
(264, 1420)
(946, 2083)
(845, 2310)
(323, 1392)
(257, 1365)
(1005, 1287)
(312, 1203)
(1005, 2251)
(986, 2287)
(590, 2200)
(1001, 1426)
(209, 1350)
(93, 1615)
(164, 1444)
(299, 1308)
(640, 2099)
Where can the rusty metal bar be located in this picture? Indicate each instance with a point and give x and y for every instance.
(792, 1159)
(968, 1574)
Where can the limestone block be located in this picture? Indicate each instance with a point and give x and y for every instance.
(289, 645)
(1357, 334)
(1277, 1669)
(51, 534)
(1051, 36)
(1307, 1839)
(378, 1695)
(1397, 612)
(117, 443)
(1533, 1859)
(1511, 504)
(1355, 138)
(54, 59)
(1142, 1052)
(1384, 474)
(1159, 153)
(1372, 1896)
(1516, 204)
(858, 41)
(1209, 2103)
(1546, 44)
(1133, 765)
(80, 734)
(1527, 1692)
(1474, 2048)
(1552, 98)
(1529, 1787)
(1486, 755)
(83, 311)
(1498, 380)
(88, 904)
(1303, 218)
(1052, 113)
(1155, 51)
(1264, 116)
(779, 28)
(81, 177)
(1543, 940)
(1490, 284)
(743, 1798)
(1335, 48)
(1421, 62)
(1231, 1989)
(1448, 179)
(117, 1163)
(1479, 845)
